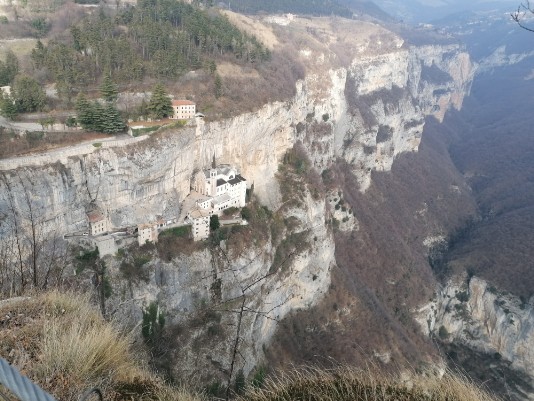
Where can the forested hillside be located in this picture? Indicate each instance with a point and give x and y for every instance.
(495, 151)
(161, 39)
(309, 7)
(196, 51)
(342, 8)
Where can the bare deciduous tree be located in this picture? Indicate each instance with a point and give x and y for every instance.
(244, 299)
(523, 11)
(32, 249)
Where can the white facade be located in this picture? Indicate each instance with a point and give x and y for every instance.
(183, 109)
(98, 224)
(200, 224)
(147, 232)
(222, 186)
(204, 203)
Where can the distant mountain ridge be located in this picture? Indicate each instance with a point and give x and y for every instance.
(343, 8)
(430, 10)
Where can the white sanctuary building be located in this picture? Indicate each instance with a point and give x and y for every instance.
(222, 188)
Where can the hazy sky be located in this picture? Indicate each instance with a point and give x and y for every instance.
(427, 10)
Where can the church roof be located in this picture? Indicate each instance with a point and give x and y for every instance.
(236, 180)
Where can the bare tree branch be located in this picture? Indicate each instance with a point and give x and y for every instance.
(519, 15)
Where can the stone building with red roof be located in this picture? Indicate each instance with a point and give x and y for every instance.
(183, 109)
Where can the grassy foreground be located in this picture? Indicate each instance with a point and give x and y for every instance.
(348, 384)
(61, 342)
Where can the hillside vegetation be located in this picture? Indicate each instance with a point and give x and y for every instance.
(188, 48)
(307, 7)
(342, 8)
(157, 38)
(61, 343)
(350, 385)
(493, 147)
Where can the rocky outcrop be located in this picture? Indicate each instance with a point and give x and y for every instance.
(216, 280)
(367, 112)
(501, 57)
(375, 111)
(389, 97)
(479, 316)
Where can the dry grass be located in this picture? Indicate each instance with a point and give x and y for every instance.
(351, 385)
(253, 27)
(85, 351)
(21, 47)
(12, 144)
(61, 342)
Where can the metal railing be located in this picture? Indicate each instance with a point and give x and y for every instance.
(25, 390)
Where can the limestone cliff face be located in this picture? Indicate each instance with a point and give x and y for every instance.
(373, 111)
(217, 278)
(388, 98)
(478, 316)
(366, 112)
(501, 57)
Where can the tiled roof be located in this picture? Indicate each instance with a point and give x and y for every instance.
(222, 169)
(236, 180)
(95, 216)
(182, 103)
(220, 182)
(145, 226)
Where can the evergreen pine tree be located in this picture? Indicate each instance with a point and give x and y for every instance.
(38, 55)
(99, 117)
(85, 111)
(7, 106)
(9, 69)
(160, 104)
(112, 120)
(218, 86)
(28, 94)
(109, 89)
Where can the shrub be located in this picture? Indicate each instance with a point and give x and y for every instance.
(216, 390)
(86, 259)
(35, 136)
(259, 377)
(177, 232)
(214, 222)
(290, 246)
(246, 213)
(230, 211)
(134, 271)
(462, 296)
(41, 26)
(145, 130)
(71, 122)
(443, 333)
(153, 322)
(239, 384)
(335, 223)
